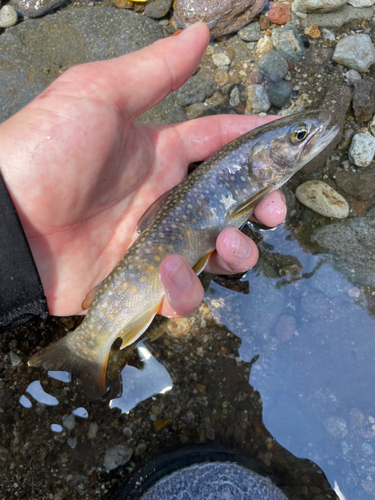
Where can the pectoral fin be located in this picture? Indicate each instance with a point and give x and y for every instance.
(152, 212)
(135, 330)
(201, 264)
(89, 299)
(248, 206)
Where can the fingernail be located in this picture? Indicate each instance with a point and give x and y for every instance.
(191, 28)
(180, 275)
(239, 243)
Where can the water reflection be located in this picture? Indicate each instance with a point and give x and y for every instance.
(315, 340)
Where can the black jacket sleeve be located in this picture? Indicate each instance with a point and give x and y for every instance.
(21, 291)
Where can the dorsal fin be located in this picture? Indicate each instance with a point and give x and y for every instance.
(249, 204)
(151, 213)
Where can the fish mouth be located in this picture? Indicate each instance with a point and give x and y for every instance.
(322, 135)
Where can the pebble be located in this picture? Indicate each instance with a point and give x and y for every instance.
(372, 125)
(362, 149)
(320, 6)
(257, 99)
(351, 76)
(158, 8)
(355, 52)
(285, 327)
(273, 66)
(117, 456)
(279, 93)
(328, 34)
(297, 106)
(364, 99)
(321, 198)
(14, 359)
(361, 3)
(93, 430)
(336, 427)
(264, 45)
(250, 33)
(287, 41)
(279, 13)
(221, 59)
(68, 421)
(195, 90)
(251, 45)
(234, 98)
(221, 78)
(8, 16)
(312, 31)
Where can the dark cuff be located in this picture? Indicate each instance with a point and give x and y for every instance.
(21, 291)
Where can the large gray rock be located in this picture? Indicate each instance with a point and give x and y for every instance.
(353, 242)
(288, 42)
(317, 5)
(196, 89)
(360, 184)
(273, 66)
(35, 52)
(158, 8)
(355, 52)
(35, 8)
(221, 16)
(339, 18)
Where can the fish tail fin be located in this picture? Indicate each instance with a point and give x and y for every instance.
(61, 355)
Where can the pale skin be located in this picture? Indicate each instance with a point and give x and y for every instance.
(81, 173)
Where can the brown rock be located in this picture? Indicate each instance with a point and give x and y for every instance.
(360, 184)
(264, 22)
(337, 100)
(221, 16)
(124, 4)
(364, 99)
(312, 31)
(279, 13)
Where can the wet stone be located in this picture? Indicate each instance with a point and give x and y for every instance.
(321, 198)
(360, 184)
(364, 98)
(117, 456)
(287, 41)
(273, 66)
(35, 8)
(279, 93)
(355, 52)
(196, 90)
(362, 149)
(257, 99)
(251, 33)
(158, 8)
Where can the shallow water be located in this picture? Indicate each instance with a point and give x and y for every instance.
(297, 353)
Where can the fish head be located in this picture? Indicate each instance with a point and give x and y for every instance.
(286, 145)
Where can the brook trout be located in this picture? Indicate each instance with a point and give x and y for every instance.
(220, 193)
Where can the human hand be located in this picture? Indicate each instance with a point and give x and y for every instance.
(81, 173)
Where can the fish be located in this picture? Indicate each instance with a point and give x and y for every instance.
(222, 192)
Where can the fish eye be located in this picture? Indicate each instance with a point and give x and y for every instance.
(298, 133)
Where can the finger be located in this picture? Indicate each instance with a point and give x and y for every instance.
(235, 253)
(184, 291)
(150, 74)
(271, 211)
(204, 136)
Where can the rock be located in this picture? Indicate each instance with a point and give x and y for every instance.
(264, 22)
(353, 242)
(221, 59)
(352, 76)
(117, 456)
(195, 110)
(34, 52)
(318, 57)
(355, 52)
(337, 100)
(285, 327)
(300, 104)
(221, 78)
(35, 8)
(255, 77)
(68, 421)
(307, 6)
(312, 31)
(250, 33)
(361, 3)
(273, 66)
(327, 34)
(362, 149)
(257, 99)
(195, 90)
(287, 41)
(336, 427)
(339, 18)
(251, 45)
(321, 198)
(124, 4)
(364, 99)
(264, 45)
(372, 125)
(221, 16)
(8, 16)
(158, 8)
(279, 93)
(279, 13)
